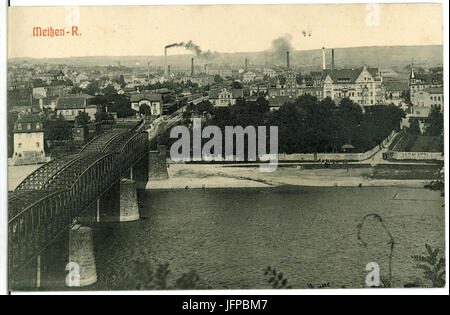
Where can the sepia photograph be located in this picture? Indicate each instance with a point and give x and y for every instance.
(223, 147)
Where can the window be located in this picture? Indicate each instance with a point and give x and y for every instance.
(38, 126)
(19, 145)
(28, 126)
(19, 126)
(37, 144)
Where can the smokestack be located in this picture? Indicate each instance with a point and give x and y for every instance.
(192, 66)
(324, 61)
(332, 59)
(287, 60)
(168, 69)
(205, 67)
(246, 64)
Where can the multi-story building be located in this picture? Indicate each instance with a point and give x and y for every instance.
(394, 92)
(28, 140)
(269, 72)
(51, 76)
(70, 106)
(225, 96)
(363, 85)
(419, 82)
(426, 99)
(284, 91)
(248, 77)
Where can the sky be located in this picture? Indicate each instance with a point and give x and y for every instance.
(145, 30)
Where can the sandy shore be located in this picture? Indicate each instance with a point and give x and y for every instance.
(197, 176)
(16, 174)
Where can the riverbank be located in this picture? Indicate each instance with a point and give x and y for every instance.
(16, 174)
(202, 176)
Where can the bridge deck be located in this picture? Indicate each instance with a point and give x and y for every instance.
(18, 201)
(101, 142)
(39, 177)
(51, 198)
(67, 177)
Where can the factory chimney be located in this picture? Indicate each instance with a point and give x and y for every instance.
(246, 64)
(332, 59)
(192, 66)
(168, 70)
(287, 60)
(324, 61)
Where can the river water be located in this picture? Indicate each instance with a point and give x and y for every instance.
(229, 236)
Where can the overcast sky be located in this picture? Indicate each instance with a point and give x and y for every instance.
(122, 31)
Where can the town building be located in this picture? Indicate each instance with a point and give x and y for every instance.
(394, 92)
(363, 85)
(269, 72)
(152, 101)
(426, 99)
(248, 77)
(51, 76)
(224, 97)
(28, 140)
(419, 82)
(70, 106)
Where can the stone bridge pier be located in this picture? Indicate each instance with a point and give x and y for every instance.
(53, 239)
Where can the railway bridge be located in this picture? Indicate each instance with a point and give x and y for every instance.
(50, 211)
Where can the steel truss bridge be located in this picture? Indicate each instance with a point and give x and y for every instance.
(51, 199)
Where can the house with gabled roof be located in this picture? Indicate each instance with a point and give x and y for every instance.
(225, 96)
(153, 101)
(70, 106)
(362, 85)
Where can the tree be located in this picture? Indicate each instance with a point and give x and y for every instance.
(204, 107)
(39, 83)
(121, 81)
(57, 129)
(121, 105)
(406, 96)
(434, 125)
(109, 91)
(76, 90)
(218, 79)
(82, 119)
(414, 127)
(93, 88)
(104, 117)
(237, 85)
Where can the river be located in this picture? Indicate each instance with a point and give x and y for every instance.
(229, 236)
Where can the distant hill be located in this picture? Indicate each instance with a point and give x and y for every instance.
(375, 56)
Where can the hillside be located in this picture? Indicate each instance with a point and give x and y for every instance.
(377, 56)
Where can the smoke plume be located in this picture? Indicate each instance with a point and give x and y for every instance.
(191, 46)
(280, 46)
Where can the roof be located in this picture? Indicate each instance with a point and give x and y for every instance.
(29, 122)
(72, 102)
(152, 97)
(312, 88)
(348, 75)
(28, 117)
(237, 93)
(391, 86)
(434, 90)
(429, 78)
